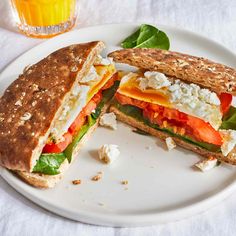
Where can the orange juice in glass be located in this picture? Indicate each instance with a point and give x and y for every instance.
(44, 18)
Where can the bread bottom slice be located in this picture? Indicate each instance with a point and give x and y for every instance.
(231, 158)
(49, 181)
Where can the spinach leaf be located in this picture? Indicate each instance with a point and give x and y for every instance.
(131, 41)
(136, 113)
(49, 163)
(107, 95)
(147, 36)
(229, 120)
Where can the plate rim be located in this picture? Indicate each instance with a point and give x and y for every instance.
(132, 219)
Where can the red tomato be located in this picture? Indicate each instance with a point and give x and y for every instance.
(204, 131)
(87, 110)
(58, 147)
(77, 124)
(226, 100)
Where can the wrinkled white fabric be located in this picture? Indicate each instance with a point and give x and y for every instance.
(214, 19)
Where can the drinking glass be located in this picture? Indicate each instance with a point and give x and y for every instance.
(44, 18)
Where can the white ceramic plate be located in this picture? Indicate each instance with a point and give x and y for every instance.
(162, 185)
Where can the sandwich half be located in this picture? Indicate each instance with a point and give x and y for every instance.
(51, 109)
(180, 96)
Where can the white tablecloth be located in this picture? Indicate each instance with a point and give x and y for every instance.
(214, 19)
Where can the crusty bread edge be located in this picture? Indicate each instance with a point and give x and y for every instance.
(230, 159)
(49, 181)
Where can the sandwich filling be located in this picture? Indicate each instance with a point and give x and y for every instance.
(79, 113)
(184, 110)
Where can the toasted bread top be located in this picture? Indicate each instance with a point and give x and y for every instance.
(214, 76)
(31, 104)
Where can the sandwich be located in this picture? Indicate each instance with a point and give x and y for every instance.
(48, 112)
(186, 98)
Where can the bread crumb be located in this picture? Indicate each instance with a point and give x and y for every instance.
(124, 182)
(97, 177)
(76, 182)
(170, 143)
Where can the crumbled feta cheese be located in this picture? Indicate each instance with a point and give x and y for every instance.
(91, 76)
(209, 97)
(207, 164)
(193, 100)
(108, 153)
(170, 143)
(109, 120)
(154, 80)
(229, 141)
(143, 83)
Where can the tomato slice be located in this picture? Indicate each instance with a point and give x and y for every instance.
(77, 124)
(204, 131)
(226, 100)
(58, 147)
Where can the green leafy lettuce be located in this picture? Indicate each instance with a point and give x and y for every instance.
(229, 120)
(136, 113)
(49, 163)
(147, 36)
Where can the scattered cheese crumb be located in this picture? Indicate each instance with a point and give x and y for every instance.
(207, 164)
(229, 141)
(170, 143)
(76, 182)
(108, 120)
(108, 153)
